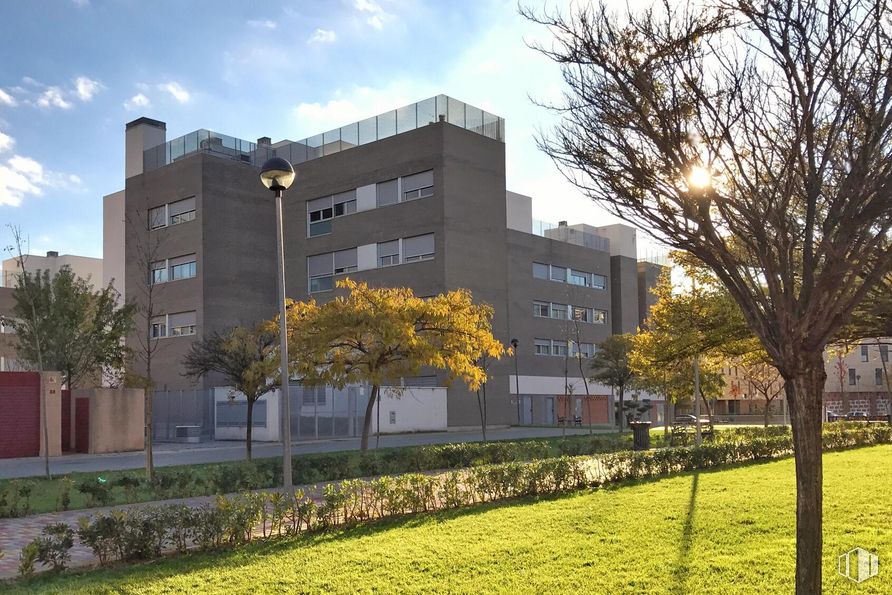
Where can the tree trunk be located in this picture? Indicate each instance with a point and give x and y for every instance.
(249, 429)
(481, 406)
(666, 415)
(150, 460)
(804, 387)
(767, 411)
(622, 412)
(367, 421)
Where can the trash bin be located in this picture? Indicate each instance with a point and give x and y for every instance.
(640, 435)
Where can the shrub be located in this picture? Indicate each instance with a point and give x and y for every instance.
(99, 492)
(99, 533)
(27, 558)
(53, 544)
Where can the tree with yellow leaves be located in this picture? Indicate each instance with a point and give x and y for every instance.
(378, 335)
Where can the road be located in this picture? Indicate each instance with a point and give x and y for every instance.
(167, 454)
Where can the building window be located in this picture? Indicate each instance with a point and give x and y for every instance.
(884, 353)
(181, 211)
(864, 356)
(420, 381)
(599, 316)
(542, 346)
(853, 379)
(582, 314)
(388, 253)
(182, 267)
(559, 348)
(541, 309)
(387, 193)
(559, 311)
(418, 248)
(159, 327)
(558, 274)
(345, 261)
(181, 324)
(599, 281)
(320, 270)
(319, 214)
(540, 271)
(420, 185)
(313, 395)
(159, 272)
(344, 203)
(878, 376)
(158, 217)
(580, 278)
(586, 349)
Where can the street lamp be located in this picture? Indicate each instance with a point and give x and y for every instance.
(278, 175)
(700, 180)
(514, 343)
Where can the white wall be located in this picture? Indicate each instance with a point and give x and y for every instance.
(84, 267)
(113, 230)
(519, 210)
(415, 409)
(272, 431)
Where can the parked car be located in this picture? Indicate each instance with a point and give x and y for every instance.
(856, 416)
(686, 419)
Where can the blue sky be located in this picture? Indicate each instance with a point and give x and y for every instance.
(75, 71)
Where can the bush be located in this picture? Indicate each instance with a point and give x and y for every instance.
(53, 544)
(98, 491)
(27, 558)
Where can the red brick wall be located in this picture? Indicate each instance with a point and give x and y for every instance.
(19, 414)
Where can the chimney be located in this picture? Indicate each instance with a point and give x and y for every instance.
(562, 224)
(264, 141)
(52, 254)
(139, 135)
(441, 118)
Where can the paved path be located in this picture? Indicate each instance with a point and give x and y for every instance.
(215, 452)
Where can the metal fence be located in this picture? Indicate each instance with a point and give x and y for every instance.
(182, 408)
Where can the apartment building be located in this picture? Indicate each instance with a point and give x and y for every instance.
(83, 266)
(858, 378)
(413, 197)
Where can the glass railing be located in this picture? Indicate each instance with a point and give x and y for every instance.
(570, 235)
(404, 119)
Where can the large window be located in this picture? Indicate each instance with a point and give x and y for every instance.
(864, 353)
(580, 278)
(181, 324)
(418, 248)
(387, 193)
(181, 211)
(600, 316)
(853, 378)
(878, 376)
(388, 253)
(418, 185)
(558, 274)
(541, 309)
(159, 272)
(540, 271)
(559, 311)
(182, 267)
(158, 217)
(159, 327)
(599, 281)
(320, 269)
(321, 211)
(345, 261)
(542, 346)
(884, 353)
(559, 348)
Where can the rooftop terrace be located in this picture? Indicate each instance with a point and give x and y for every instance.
(363, 132)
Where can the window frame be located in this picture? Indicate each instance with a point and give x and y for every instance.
(537, 305)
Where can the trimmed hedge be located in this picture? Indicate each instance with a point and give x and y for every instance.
(143, 533)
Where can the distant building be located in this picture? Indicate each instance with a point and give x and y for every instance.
(414, 197)
(83, 266)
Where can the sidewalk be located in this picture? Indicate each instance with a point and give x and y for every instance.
(167, 454)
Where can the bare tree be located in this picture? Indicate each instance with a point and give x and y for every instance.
(758, 137)
(18, 251)
(145, 251)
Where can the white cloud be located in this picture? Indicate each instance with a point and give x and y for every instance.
(322, 36)
(377, 15)
(7, 99)
(262, 24)
(357, 104)
(53, 97)
(6, 142)
(21, 176)
(176, 91)
(136, 102)
(86, 88)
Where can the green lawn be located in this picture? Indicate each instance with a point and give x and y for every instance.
(728, 531)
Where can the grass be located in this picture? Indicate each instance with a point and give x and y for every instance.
(726, 531)
(217, 478)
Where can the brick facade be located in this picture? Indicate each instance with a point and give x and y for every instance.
(20, 418)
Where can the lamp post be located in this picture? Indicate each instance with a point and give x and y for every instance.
(277, 175)
(700, 181)
(514, 343)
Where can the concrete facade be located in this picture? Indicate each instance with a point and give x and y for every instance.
(482, 241)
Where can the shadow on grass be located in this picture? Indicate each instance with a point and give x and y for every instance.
(680, 572)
